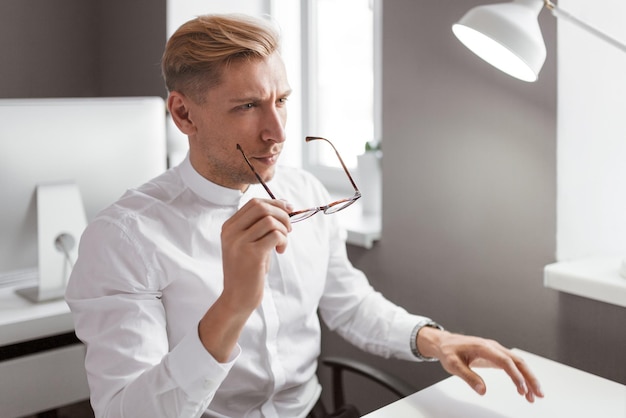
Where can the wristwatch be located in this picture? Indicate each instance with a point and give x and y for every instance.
(414, 334)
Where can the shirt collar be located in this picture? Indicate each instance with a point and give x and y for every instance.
(215, 193)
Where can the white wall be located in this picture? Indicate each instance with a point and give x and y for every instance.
(591, 132)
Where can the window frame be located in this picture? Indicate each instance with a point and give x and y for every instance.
(332, 177)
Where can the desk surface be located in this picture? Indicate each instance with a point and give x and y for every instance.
(568, 393)
(22, 320)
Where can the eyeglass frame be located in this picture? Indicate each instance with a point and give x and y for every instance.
(328, 209)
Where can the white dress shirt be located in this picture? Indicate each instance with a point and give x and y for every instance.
(150, 266)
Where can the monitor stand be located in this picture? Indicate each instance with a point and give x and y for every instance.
(61, 221)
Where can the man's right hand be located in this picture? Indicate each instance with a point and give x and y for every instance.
(248, 239)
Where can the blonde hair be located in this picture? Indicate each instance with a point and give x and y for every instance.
(198, 52)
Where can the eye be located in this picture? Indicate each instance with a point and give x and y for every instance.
(283, 100)
(247, 106)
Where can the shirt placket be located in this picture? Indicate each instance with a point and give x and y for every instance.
(270, 313)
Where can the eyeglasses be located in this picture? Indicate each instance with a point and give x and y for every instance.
(329, 209)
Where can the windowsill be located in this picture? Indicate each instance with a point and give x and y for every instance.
(595, 278)
(363, 230)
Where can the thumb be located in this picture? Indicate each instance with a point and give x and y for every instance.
(473, 380)
(480, 386)
(476, 382)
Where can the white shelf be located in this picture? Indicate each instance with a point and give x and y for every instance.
(595, 278)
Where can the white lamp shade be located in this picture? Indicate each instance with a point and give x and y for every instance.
(506, 35)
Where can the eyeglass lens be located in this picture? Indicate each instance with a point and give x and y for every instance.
(329, 209)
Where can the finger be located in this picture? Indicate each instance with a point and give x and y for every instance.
(272, 236)
(491, 354)
(254, 230)
(266, 219)
(459, 368)
(288, 206)
(531, 380)
(475, 381)
(256, 209)
(511, 365)
(479, 387)
(466, 353)
(521, 375)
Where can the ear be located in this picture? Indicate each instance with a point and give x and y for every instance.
(178, 106)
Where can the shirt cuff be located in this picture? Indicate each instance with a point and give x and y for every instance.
(195, 370)
(400, 335)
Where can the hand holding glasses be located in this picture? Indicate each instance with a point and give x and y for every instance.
(329, 209)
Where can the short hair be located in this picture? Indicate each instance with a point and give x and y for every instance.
(196, 54)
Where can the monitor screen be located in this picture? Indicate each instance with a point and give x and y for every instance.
(103, 145)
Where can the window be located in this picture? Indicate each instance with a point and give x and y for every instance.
(339, 83)
(330, 49)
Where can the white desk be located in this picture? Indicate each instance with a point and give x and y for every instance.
(45, 379)
(22, 320)
(568, 393)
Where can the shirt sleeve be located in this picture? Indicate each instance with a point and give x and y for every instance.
(132, 370)
(360, 314)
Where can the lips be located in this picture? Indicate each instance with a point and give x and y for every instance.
(270, 158)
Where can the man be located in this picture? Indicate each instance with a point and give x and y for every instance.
(196, 294)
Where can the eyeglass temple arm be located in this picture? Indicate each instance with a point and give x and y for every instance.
(314, 138)
(267, 189)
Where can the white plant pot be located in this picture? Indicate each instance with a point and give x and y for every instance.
(370, 182)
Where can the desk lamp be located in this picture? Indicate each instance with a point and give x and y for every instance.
(507, 35)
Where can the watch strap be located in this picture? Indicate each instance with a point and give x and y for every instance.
(415, 333)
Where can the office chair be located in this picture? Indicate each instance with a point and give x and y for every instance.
(339, 365)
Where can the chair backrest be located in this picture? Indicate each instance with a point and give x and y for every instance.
(339, 365)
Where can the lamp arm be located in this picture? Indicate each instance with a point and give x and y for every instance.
(559, 13)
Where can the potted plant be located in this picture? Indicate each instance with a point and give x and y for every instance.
(370, 177)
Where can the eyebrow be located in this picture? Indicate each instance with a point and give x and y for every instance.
(254, 98)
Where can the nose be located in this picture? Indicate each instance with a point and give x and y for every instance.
(274, 121)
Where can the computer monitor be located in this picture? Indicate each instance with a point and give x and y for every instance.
(62, 161)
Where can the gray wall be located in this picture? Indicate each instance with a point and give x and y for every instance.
(469, 169)
(81, 48)
(469, 212)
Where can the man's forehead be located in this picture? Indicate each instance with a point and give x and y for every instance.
(254, 77)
